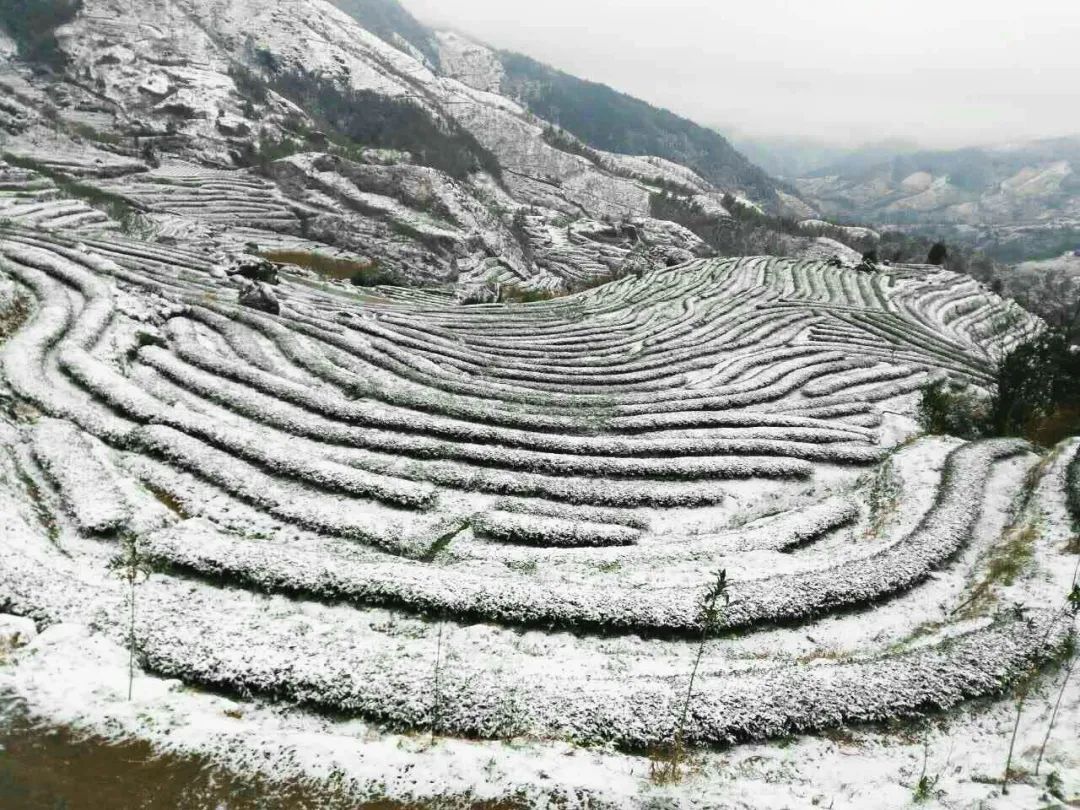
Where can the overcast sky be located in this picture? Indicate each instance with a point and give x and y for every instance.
(941, 72)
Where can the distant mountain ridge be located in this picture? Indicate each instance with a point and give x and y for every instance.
(1018, 201)
(791, 157)
(616, 122)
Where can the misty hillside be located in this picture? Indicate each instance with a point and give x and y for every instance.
(607, 119)
(381, 141)
(794, 157)
(390, 21)
(600, 116)
(1015, 201)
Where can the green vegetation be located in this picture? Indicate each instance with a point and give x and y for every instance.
(1055, 786)
(1035, 395)
(521, 234)
(88, 133)
(558, 138)
(925, 787)
(606, 119)
(42, 510)
(953, 409)
(33, 23)
(13, 317)
(169, 500)
(1038, 390)
(938, 254)
(512, 294)
(1072, 490)
(131, 568)
(249, 85)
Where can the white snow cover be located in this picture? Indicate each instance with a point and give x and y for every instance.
(331, 497)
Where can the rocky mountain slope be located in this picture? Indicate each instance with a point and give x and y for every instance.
(290, 128)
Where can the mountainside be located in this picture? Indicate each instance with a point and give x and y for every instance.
(612, 121)
(378, 145)
(197, 115)
(394, 25)
(601, 117)
(1015, 201)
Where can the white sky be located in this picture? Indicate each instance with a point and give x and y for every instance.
(940, 72)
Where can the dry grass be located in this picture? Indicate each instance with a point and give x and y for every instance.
(362, 274)
(13, 318)
(511, 294)
(1007, 561)
(169, 501)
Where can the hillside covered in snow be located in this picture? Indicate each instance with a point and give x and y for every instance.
(290, 128)
(364, 433)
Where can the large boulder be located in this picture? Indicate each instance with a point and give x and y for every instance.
(253, 268)
(233, 126)
(15, 632)
(260, 296)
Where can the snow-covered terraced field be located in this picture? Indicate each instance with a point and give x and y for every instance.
(337, 496)
(33, 200)
(238, 199)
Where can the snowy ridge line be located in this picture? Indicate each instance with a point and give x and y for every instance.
(108, 385)
(260, 448)
(548, 531)
(113, 260)
(786, 533)
(600, 350)
(767, 392)
(230, 197)
(866, 395)
(734, 459)
(575, 398)
(85, 484)
(834, 383)
(765, 380)
(944, 355)
(196, 373)
(631, 374)
(518, 600)
(383, 529)
(30, 199)
(861, 580)
(495, 704)
(587, 514)
(25, 358)
(355, 383)
(497, 446)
